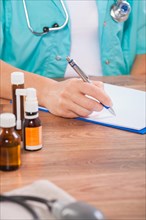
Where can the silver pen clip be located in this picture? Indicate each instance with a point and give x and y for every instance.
(80, 72)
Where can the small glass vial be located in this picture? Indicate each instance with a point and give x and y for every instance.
(32, 126)
(17, 81)
(10, 143)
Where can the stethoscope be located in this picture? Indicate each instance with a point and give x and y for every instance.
(72, 211)
(119, 12)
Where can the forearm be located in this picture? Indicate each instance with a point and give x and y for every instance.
(40, 83)
(139, 66)
(67, 98)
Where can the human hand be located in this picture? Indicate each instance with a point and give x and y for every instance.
(69, 98)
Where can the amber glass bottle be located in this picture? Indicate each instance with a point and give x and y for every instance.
(10, 149)
(32, 127)
(17, 81)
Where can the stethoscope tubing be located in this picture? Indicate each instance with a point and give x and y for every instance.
(20, 203)
(50, 29)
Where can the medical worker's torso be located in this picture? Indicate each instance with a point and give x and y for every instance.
(84, 37)
(46, 55)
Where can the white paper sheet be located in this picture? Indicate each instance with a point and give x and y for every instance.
(129, 106)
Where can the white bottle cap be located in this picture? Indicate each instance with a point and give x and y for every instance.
(31, 94)
(7, 120)
(17, 78)
(31, 106)
(31, 103)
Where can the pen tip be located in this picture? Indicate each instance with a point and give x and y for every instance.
(111, 110)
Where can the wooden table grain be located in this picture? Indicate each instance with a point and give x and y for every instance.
(99, 165)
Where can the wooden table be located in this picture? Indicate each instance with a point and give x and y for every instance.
(100, 165)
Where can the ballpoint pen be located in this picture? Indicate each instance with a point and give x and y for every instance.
(85, 78)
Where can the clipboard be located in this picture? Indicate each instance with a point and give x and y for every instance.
(129, 106)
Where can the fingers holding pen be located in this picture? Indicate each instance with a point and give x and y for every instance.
(86, 102)
(70, 109)
(96, 91)
(74, 104)
(70, 98)
(78, 110)
(64, 99)
(75, 97)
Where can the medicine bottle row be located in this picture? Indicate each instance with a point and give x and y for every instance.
(20, 128)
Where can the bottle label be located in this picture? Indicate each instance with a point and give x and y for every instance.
(33, 138)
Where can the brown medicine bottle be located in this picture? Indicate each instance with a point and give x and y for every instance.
(17, 81)
(32, 126)
(10, 149)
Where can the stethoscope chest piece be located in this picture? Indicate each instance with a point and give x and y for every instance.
(120, 11)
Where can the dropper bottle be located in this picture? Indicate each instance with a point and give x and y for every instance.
(32, 136)
(17, 81)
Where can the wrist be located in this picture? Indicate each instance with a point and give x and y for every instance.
(42, 85)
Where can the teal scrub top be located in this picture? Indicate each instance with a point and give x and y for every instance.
(46, 55)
